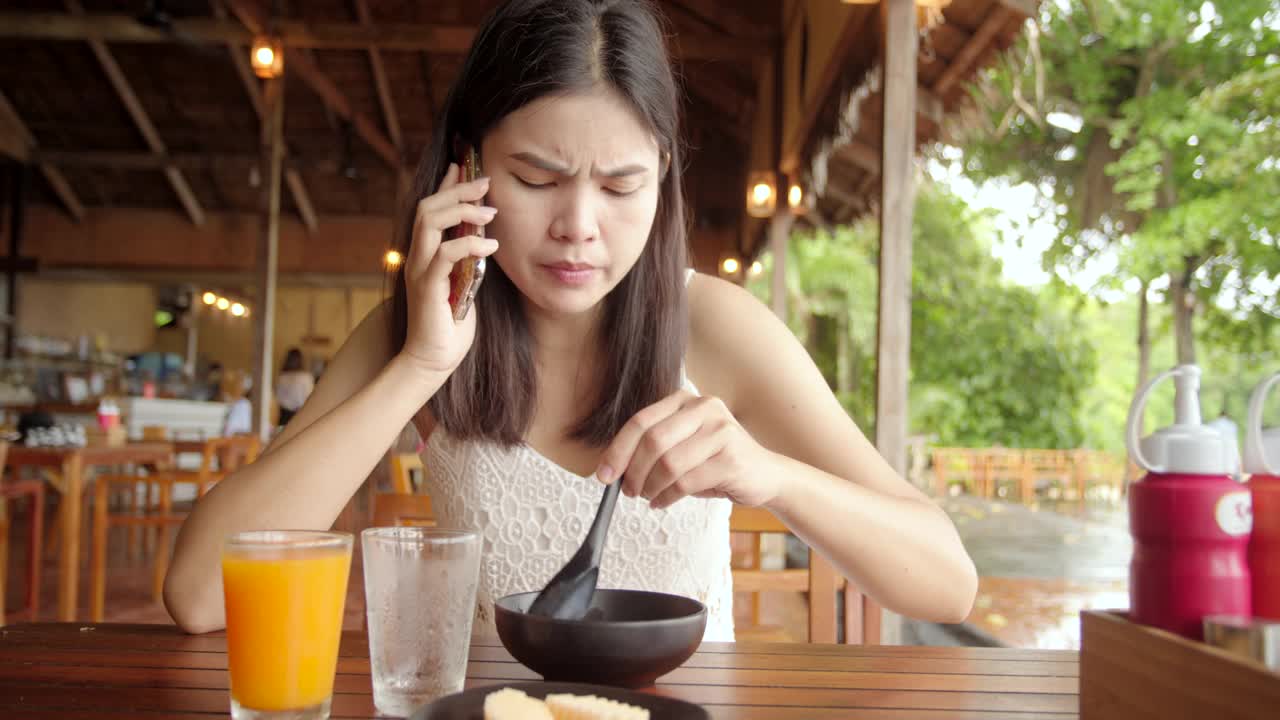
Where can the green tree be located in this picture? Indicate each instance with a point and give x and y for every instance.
(1150, 126)
(991, 363)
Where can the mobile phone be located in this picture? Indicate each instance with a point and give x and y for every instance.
(467, 274)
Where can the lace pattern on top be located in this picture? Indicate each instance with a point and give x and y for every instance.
(532, 515)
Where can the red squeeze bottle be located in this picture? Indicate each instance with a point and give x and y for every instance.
(1189, 518)
(1262, 462)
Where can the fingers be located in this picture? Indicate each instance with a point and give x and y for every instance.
(617, 457)
(453, 251)
(653, 452)
(430, 226)
(702, 481)
(676, 466)
(452, 192)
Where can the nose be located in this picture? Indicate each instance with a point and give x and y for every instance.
(575, 218)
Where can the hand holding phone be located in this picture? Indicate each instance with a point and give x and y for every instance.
(466, 276)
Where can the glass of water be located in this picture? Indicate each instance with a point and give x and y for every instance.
(420, 592)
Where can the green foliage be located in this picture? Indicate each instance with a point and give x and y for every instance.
(991, 363)
(1177, 157)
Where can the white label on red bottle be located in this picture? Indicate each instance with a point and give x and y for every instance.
(1234, 513)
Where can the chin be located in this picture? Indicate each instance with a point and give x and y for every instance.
(558, 301)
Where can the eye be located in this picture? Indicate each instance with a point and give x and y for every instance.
(532, 185)
(621, 192)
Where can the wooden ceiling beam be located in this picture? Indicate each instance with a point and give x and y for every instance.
(436, 38)
(380, 80)
(150, 239)
(254, 18)
(973, 47)
(724, 16)
(142, 160)
(293, 180)
(18, 142)
(857, 28)
(141, 120)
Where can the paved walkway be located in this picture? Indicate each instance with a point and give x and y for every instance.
(1040, 566)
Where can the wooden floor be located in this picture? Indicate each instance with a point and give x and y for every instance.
(128, 598)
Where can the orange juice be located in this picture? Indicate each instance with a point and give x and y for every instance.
(284, 595)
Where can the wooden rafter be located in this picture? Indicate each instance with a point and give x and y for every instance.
(17, 141)
(851, 34)
(968, 55)
(254, 19)
(380, 80)
(437, 38)
(141, 120)
(297, 188)
(723, 15)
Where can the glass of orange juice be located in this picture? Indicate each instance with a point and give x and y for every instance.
(284, 592)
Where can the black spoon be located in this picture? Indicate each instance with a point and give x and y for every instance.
(568, 595)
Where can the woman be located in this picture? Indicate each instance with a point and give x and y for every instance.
(293, 387)
(591, 355)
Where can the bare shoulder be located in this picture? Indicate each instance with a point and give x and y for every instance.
(734, 339)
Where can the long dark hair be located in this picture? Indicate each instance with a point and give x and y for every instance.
(292, 360)
(525, 50)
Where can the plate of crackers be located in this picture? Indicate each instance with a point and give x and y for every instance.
(557, 701)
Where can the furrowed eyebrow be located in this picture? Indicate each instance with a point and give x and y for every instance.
(550, 166)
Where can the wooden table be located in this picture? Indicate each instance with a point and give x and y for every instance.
(125, 671)
(70, 464)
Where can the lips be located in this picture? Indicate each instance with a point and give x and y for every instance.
(569, 266)
(571, 274)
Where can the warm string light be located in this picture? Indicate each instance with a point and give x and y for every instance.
(392, 259)
(214, 300)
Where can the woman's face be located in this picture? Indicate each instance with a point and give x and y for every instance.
(575, 180)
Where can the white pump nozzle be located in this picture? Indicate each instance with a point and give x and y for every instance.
(1187, 446)
(1261, 447)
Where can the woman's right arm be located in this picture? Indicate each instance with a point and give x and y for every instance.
(364, 400)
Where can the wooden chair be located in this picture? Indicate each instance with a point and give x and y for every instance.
(401, 509)
(956, 465)
(819, 580)
(1005, 466)
(13, 489)
(230, 453)
(1055, 466)
(403, 466)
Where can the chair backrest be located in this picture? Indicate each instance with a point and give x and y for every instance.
(233, 451)
(402, 467)
(392, 509)
(155, 433)
(861, 614)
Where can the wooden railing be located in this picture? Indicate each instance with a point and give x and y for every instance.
(996, 472)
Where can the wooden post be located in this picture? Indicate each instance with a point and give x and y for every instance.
(17, 214)
(268, 254)
(893, 328)
(779, 232)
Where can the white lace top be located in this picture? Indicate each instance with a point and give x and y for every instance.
(533, 515)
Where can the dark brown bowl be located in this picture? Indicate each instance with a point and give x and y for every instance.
(633, 637)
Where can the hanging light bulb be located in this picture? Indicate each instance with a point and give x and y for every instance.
(209, 298)
(223, 303)
(267, 56)
(237, 309)
(730, 266)
(393, 258)
(762, 194)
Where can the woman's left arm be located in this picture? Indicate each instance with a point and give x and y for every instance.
(768, 431)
